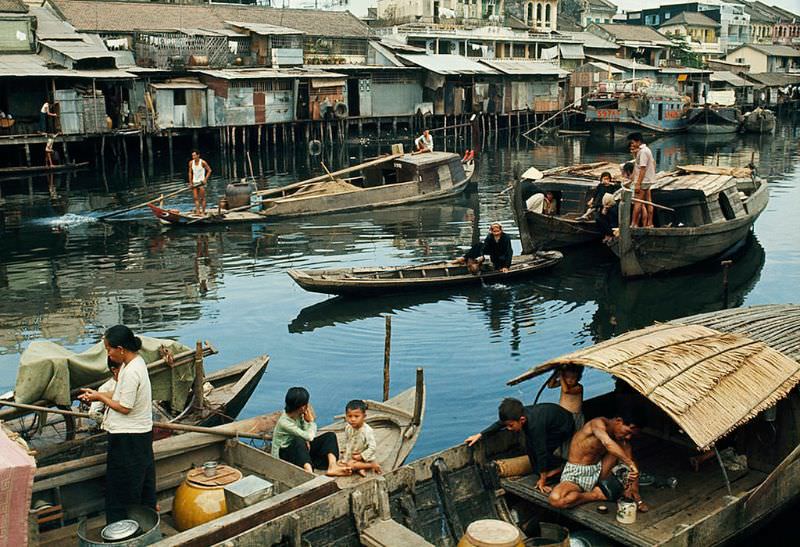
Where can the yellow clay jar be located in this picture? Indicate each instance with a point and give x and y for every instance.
(196, 503)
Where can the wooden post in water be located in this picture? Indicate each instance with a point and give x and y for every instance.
(28, 154)
(199, 377)
(419, 397)
(387, 350)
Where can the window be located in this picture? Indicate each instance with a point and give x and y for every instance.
(666, 16)
(179, 97)
(529, 13)
(539, 13)
(547, 14)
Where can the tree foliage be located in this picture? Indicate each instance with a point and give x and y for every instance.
(681, 52)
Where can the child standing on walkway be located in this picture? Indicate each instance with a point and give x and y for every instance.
(360, 447)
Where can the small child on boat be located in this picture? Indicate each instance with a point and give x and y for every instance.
(295, 438)
(569, 378)
(360, 447)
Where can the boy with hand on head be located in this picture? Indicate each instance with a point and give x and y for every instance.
(359, 452)
(569, 378)
(295, 438)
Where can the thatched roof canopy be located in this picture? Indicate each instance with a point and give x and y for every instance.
(708, 381)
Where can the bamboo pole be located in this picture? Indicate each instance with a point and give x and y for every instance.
(146, 203)
(160, 425)
(419, 397)
(199, 377)
(387, 350)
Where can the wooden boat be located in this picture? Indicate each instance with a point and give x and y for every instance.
(396, 423)
(698, 216)
(721, 379)
(73, 492)
(572, 188)
(759, 120)
(396, 179)
(42, 169)
(228, 390)
(393, 279)
(432, 500)
(713, 119)
(621, 107)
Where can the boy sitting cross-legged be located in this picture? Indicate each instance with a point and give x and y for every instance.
(360, 446)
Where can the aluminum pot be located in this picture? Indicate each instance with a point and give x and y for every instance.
(149, 530)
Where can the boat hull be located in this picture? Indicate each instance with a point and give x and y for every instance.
(656, 250)
(712, 121)
(336, 282)
(555, 232)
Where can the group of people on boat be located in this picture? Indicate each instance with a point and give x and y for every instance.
(576, 461)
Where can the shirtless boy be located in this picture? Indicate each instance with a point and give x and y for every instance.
(595, 450)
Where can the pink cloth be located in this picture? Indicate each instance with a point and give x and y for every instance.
(17, 469)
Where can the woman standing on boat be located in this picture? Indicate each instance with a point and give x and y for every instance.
(130, 474)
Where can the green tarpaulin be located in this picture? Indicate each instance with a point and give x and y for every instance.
(48, 371)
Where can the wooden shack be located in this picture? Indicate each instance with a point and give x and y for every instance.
(180, 103)
(272, 45)
(533, 86)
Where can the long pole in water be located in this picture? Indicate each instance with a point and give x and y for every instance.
(387, 350)
(146, 203)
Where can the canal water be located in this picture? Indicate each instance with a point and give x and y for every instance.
(66, 277)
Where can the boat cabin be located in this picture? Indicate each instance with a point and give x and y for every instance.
(699, 199)
(571, 194)
(718, 410)
(435, 170)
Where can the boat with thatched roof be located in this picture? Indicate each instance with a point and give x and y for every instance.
(723, 381)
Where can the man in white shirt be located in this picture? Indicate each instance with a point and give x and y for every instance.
(644, 176)
(424, 143)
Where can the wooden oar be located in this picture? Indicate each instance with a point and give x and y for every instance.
(160, 425)
(146, 203)
(765, 486)
(333, 179)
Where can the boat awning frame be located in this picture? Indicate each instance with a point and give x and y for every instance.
(707, 381)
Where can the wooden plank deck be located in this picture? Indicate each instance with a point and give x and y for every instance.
(672, 511)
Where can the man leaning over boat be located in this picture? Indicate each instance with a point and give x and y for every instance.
(497, 245)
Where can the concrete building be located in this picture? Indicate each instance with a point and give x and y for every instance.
(597, 11)
(762, 22)
(699, 31)
(766, 58)
(536, 15)
(636, 41)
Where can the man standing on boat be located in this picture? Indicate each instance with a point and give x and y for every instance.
(643, 179)
(424, 143)
(199, 171)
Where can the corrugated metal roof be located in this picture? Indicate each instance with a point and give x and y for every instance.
(50, 27)
(77, 49)
(28, 66)
(773, 79)
(525, 68)
(125, 17)
(692, 19)
(264, 28)
(267, 73)
(683, 70)
(605, 67)
(448, 64)
(179, 84)
(589, 40)
(635, 33)
(623, 63)
(13, 6)
(571, 51)
(729, 78)
(771, 50)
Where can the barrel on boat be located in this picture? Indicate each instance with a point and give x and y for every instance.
(491, 533)
(238, 194)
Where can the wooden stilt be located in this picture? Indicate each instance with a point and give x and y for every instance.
(103, 149)
(387, 350)
(28, 154)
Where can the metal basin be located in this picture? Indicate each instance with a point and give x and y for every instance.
(149, 530)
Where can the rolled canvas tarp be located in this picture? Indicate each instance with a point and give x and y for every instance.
(48, 371)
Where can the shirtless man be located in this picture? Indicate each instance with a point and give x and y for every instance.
(595, 450)
(199, 171)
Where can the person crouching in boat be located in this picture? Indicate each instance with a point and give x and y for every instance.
(130, 472)
(608, 218)
(497, 245)
(295, 438)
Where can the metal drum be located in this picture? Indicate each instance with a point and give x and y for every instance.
(238, 194)
(149, 530)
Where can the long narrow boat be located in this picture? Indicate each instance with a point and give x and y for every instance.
(638, 105)
(713, 119)
(392, 279)
(396, 179)
(42, 169)
(759, 120)
(572, 188)
(723, 379)
(698, 216)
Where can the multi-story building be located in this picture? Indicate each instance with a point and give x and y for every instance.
(700, 32)
(597, 11)
(536, 15)
(636, 42)
(734, 22)
(762, 21)
(766, 58)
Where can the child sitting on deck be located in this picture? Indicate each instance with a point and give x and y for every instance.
(569, 378)
(360, 447)
(295, 438)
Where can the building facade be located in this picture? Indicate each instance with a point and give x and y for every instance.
(699, 31)
(766, 58)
